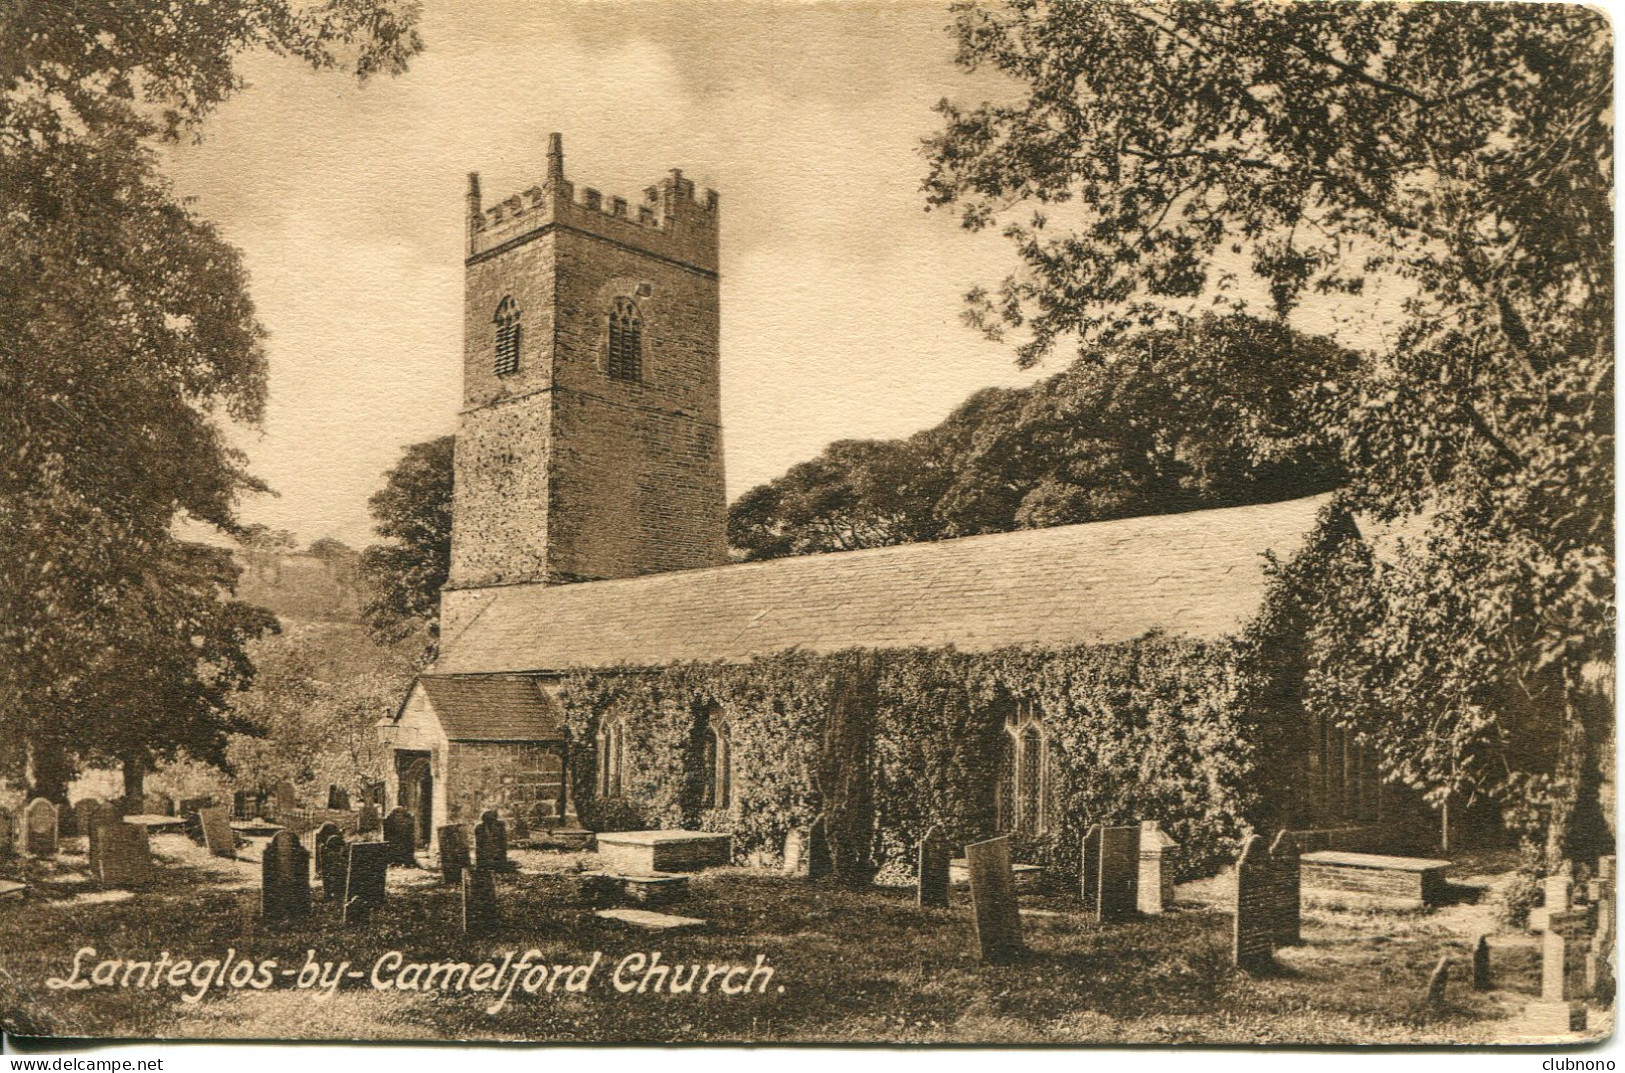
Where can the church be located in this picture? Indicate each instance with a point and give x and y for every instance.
(589, 535)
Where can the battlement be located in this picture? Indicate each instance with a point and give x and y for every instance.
(672, 222)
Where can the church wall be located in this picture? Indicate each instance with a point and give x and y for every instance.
(518, 779)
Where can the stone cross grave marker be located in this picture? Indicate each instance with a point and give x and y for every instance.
(1156, 883)
(1286, 889)
(932, 888)
(454, 855)
(39, 828)
(1559, 891)
(1562, 968)
(1438, 981)
(795, 851)
(218, 837)
(400, 835)
(480, 913)
(1119, 873)
(1253, 933)
(285, 879)
(366, 821)
(8, 834)
(123, 853)
(993, 891)
(820, 861)
(491, 843)
(338, 799)
(1481, 964)
(1091, 870)
(331, 862)
(364, 869)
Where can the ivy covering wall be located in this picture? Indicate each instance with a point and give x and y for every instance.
(885, 744)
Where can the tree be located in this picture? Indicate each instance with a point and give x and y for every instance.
(414, 511)
(1458, 156)
(126, 331)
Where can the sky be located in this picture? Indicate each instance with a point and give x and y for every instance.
(841, 294)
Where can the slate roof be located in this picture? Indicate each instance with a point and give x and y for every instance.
(1198, 574)
(493, 708)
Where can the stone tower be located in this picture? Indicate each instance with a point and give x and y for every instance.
(590, 441)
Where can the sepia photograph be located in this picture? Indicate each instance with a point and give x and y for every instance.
(847, 522)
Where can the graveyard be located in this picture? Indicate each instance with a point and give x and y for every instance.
(979, 952)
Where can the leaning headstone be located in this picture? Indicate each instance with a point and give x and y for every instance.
(1156, 884)
(285, 879)
(191, 809)
(1286, 890)
(1253, 933)
(491, 843)
(1091, 869)
(39, 828)
(820, 861)
(331, 862)
(480, 915)
(454, 856)
(400, 835)
(932, 892)
(367, 820)
(993, 892)
(218, 836)
(1481, 964)
(364, 870)
(338, 799)
(795, 851)
(1438, 980)
(123, 854)
(1119, 873)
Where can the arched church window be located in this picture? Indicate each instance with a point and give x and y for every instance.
(718, 792)
(611, 758)
(625, 341)
(509, 337)
(1022, 794)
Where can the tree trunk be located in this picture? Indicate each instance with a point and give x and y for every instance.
(135, 774)
(49, 770)
(1577, 830)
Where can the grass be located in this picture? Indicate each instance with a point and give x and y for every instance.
(849, 967)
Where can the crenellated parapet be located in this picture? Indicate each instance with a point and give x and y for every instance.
(673, 221)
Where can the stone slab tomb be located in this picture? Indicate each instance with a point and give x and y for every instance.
(1399, 882)
(40, 828)
(659, 888)
(218, 836)
(1156, 884)
(993, 894)
(642, 852)
(646, 920)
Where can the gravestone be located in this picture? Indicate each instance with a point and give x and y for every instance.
(287, 800)
(285, 879)
(364, 869)
(1481, 964)
(331, 862)
(1559, 891)
(123, 853)
(1438, 980)
(795, 851)
(218, 836)
(8, 834)
(192, 808)
(1156, 882)
(319, 837)
(1253, 933)
(1091, 869)
(820, 862)
(993, 892)
(454, 857)
(85, 812)
(366, 821)
(1562, 968)
(491, 843)
(338, 799)
(39, 828)
(158, 803)
(480, 914)
(400, 835)
(1118, 898)
(1286, 889)
(932, 890)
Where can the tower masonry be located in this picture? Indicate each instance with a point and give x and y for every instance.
(590, 441)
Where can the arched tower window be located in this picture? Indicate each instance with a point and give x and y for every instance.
(718, 791)
(611, 758)
(1022, 798)
(509, 337)
(625, 341)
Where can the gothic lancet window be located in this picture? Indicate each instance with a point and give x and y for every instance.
(611, 758)
(718, 764)
(625, 341)
(1022, 800)
(509, 337)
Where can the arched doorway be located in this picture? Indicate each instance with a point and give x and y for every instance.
(417, 792)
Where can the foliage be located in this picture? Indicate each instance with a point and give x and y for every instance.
(126, 337)
(887, 744)
(1217, 412)
(1457, 157)
(413, 510)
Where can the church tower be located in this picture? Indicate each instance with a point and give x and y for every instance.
(590, 440)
